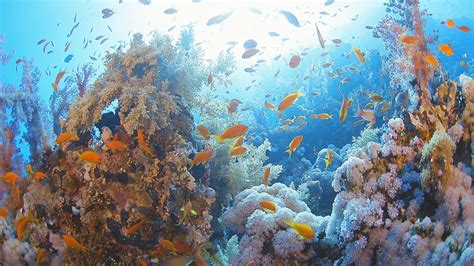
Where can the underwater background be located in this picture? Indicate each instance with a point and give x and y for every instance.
(146, 132)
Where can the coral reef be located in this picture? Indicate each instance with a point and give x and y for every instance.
(267, 239)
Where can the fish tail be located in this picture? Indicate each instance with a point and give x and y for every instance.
(55, 87)
(290, 223)
(360, 112)
(280, 114)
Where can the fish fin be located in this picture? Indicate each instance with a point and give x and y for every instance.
(360, 112)
(290, 223)
(193, 212)
(182, 209)
(218, 138)
(280, 114)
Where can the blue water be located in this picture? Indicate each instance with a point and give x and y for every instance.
(24, 23)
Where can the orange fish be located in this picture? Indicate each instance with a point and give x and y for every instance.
(432, 60)
(232, 106)
(329, 158)
(322, 116)
(464, 28)
(73, 243)
(407, 39)
(238, 143)
(450, 23)
(167, 244)
(187, 211)
(269, 105)
(142, 262)
(344, 110)
(368, 115)
(359, 55)
(268, 206)
(117, 145)
(303, 230)
(201, 157)
(142, 142)
(237, 151)
(40, 255)
(300, 127)
(294, 61)
(288, 101)
(3, 212)
(204, 132)
(9, 134)
(266, 175)
(38, 175)
(133, 228)
(90, 156)
(294, 144)
(232, 132)
(446, 49)
(21, 224)
(66, 137)
(11, 178)
(299, 118)
(59, 76)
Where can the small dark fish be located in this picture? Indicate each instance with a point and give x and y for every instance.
(355, 18)
(103, 40)
(45, 46)
(291, 18)
(19, 61)
(49, 52)
(248, 87)
(276, 74)
(41, 41)
(369, 27)
(285, 39)
(172, 28)
(72, 30)
(99, 37)
(170, 11)
(85, 46)
(255, 10)
(324, 13)
(145, 2)
(277, 57)
(218, 19)
(245, 109)
(107, 11)
(196, 1)
(52, 43)
(93, 58)
(261, 61)
(67, 46)
(329, 2)
(249, 53)
(249, 70)
(107, 15)
(75, 17)
(320, 37)
(109, 28)
(68, 58)
(92, 28)
(273, 34)
(336, 41)
(250, 43)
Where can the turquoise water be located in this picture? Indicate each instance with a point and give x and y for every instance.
(144, 80)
